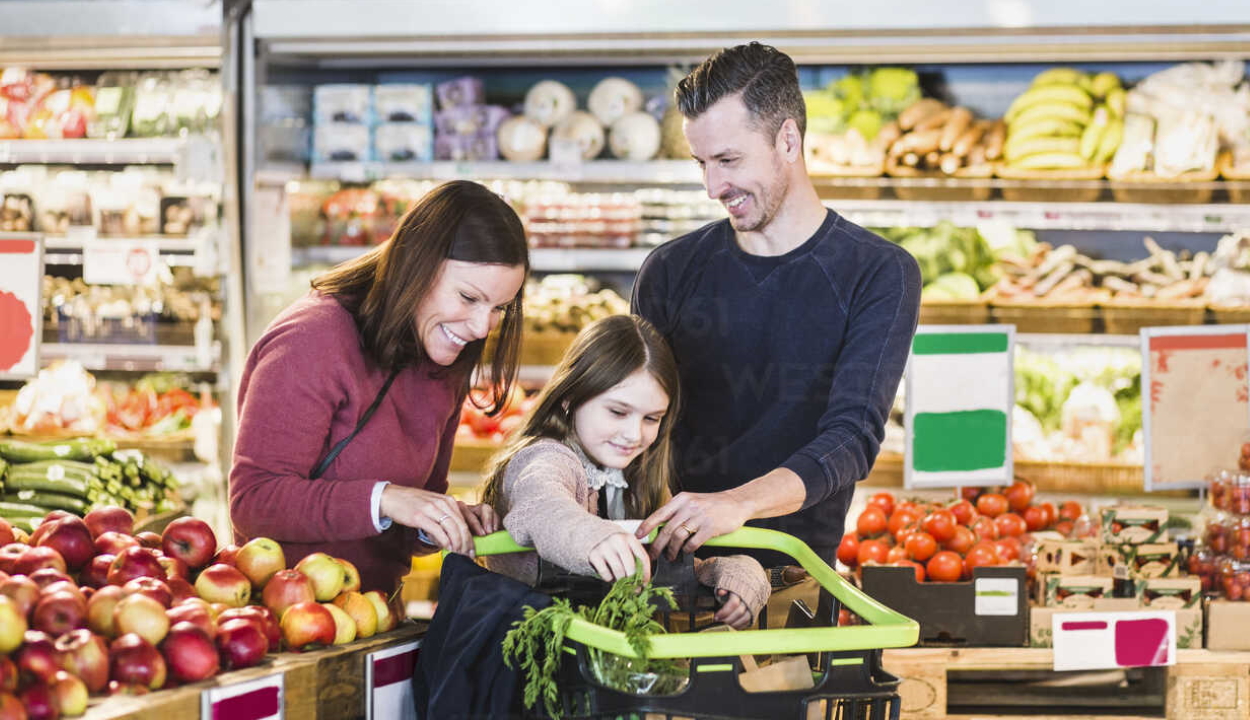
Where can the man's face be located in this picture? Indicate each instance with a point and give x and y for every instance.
(742, 165)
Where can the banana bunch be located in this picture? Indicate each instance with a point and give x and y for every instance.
(1066, 119)
(931, 135)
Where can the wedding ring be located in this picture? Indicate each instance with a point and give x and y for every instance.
(440, 520)
(686, 527)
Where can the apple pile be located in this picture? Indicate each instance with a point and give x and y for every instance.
(88, 606)
(477, 425)
(944, 542)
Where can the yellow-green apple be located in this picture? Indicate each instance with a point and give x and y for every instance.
(59, 612)
(181, 590)
(70, 537)
(86, 655)
(22, 591)
(39, 701)
(222, 583)
(109, 519)
(135, 562)
(191, 540)
(135, 661)
(287, 588)
(70, 694)
(38, 557)
(344, 626)
(141, 615)
(36, 658)
(361, 611)
(351, 576)
(241, 643)
(9, 555)
(307, 623)
(12, 626)
(326, 574)
(96, 574)
(386, 617)
(197, 615)
(260, 559)
(111, 543)
(100, 610)
(190, 653)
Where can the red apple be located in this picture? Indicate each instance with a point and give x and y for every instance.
(241, 643)
(43, 577)
(8, 675)
(149, 539)
(46, 524)
(151, 587)
(12, 625)
(111, 543)
(175, 568)
(224, 584)
(216, 609)
(85, 654)
(326, 573)
(264, 619)
(36, 658)
(6, 532)
(38, 557)
(59, 612)
(22, 591)
(306, 623)
(70, 693)
(190, 653)
(260, 559)
(10, 707)
(100, 610)
(142, 615)
(197, 615)
(70, 537)
(133, 660)
(109, 519)
(39, 701)
(121, 688)
(191, 540)
(387, 619)
(287, 588)
(227, 555)
(96, 574)
(65, 586)
(181, 589)
(9, 555)
(351, 576)
(135, 562)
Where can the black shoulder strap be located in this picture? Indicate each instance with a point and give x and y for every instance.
(324, 464)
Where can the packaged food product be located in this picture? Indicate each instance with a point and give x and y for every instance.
(65, 202)
(461, 91)
(114, 102)
(403, 103)
(470, 119)
(196, 101)
(1075, 591)
(465, 148)
(341, 142)
(1129, 524)
(343, 104)
(1172, 593)
(62, 113)
(1234, 578)
(152, 114)
(403, 142)
(17, 213)
(350, 215)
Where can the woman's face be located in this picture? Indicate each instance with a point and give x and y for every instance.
(466, 302)
(615, 427)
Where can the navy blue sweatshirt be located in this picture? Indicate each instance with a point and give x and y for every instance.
(790, 361)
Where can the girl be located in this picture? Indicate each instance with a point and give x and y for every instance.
(595, 449)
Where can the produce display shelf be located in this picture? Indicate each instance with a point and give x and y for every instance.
(541, 259)
(601, 171)
(1110, 478)
(125, 151)
(147, 358)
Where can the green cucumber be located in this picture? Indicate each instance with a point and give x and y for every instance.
(54, 478)
(9, 510)
(80, 449)
(47, 500)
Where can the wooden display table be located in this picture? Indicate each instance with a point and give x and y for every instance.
(1202, 685)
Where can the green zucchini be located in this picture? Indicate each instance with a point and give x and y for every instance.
(52, 478)
(80, 449)
(47, 500)
(9, 510)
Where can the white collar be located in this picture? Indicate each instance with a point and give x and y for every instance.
(601, 479)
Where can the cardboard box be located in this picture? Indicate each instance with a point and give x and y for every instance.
(1228, 625)
(1075, 591)
(1170, 593)
(992, 609)
(1134, 525)
(1068, 557)
(1189, 621)
(1150, 560)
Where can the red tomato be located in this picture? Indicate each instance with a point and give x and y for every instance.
(848, 550)
(919, 568)
(901, 518)
(1019, 495)
(992, 504)
(871, 522)
(897, 554)
(921, 546)
(969, 493)
(1008, 549)
(1052, 514)
(908, 505)
(985, 528)
(1010, 525)
(1071, 510)
(905, 532)
(962, 541)
(963, 511)
(872, 551)
(983, 553)
(1064, 528)
(883, 500)
(940, 524)
(945, 566)
(1034, 518)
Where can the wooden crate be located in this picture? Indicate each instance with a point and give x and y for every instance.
(967, 184)
(1203, 685)
(955, 312)
(1128, 317)
(1041, 316)
(1073, 185)
(1196, 186)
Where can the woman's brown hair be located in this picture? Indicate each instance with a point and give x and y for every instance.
(604, 354)
(459, 220)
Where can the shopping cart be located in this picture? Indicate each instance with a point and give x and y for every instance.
(849, 682)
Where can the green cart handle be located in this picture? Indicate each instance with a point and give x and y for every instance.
(886, 628)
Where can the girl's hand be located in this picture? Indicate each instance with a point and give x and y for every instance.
(481, 519)
(617, 555)
(733, 611)
(437, 514)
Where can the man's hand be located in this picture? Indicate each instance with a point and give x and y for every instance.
(692, 519)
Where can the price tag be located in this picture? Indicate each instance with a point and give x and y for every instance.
(21, 308)
(260, 699)
(1109, 640)
(120, 262)
(997, 596)
(566, 157)
(388, 682)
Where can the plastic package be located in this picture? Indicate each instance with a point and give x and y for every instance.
(340, 142)
(470, 119)
(461, 91)
(65, 202)
(466, 148)
(343, 103)
(403, 142)
(152, 111)
(62, 113)
(196, 102)
(114, 103)
(403, 103)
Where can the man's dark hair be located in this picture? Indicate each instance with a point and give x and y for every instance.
(765, 76)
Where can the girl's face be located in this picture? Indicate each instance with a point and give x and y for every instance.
(615, 427)
(466, 303)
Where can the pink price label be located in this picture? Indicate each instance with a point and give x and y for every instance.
(254, 705)
(393, 669)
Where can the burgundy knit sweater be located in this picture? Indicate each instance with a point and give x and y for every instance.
(305, 386)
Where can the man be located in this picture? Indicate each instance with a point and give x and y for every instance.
(790, 324)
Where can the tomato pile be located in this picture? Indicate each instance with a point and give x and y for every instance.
(477, 425)
(945, 542)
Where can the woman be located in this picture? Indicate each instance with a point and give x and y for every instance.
(380, 354)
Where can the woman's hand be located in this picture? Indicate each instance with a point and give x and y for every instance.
(617, 555)
(437, 514)
(481, 519)
(733, 611)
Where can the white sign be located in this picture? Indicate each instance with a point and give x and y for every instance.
(388, 682)
(21, 308)
(260, 699)
(997, 596)
(120, 262)
(1111, 640)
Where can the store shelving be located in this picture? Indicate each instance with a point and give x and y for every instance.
(541, 259)
(136, 357)
(123, 151)
(176, 252)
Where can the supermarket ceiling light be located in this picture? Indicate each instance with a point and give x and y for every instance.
(1010, 13)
